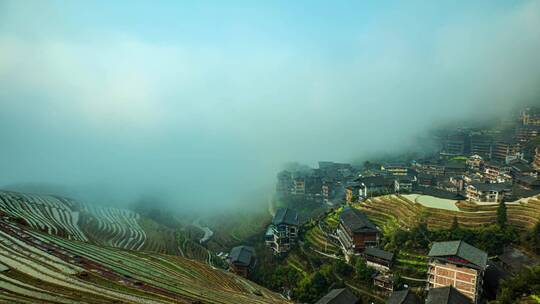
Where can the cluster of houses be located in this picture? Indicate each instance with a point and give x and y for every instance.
(326, 183)
(477, 165)
(455, 268)
(280, 237)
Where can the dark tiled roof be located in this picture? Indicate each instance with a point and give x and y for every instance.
(528, 180)
(516, 259)
(492, 186)
(446, 295)
(403, 297)
(376, 252)
(405, 179)
(356, 221)
(461, 250)
(425, 175)
(285, 216)
(494, 164)
(377, 181)
(339, 296)
(242, 255)
(521, 166)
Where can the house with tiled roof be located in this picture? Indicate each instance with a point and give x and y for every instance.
(446, 295)
(282, 233)
(488, 192)
(339, 296)
(403, 297)
(457, 264)
(241, 260)
(356, 232)
(378, 258)
(376, 185)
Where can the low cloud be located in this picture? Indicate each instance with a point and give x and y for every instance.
(207, 122)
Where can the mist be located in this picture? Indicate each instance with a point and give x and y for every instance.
(204, 102)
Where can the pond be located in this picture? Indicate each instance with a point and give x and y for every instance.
(433, 202)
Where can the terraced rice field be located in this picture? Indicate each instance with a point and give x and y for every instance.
(46, 213)
(42, 268)
(103, 226)
(411, 264)
(319, 241)
(523, 214)
(75, 221)
(296, 263)
(115, 227)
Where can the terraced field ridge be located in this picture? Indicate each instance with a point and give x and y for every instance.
(98, 225)
(523, 214)
(36, 267)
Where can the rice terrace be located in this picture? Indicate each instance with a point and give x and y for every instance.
(53, 250)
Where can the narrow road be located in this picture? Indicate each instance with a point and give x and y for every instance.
(207, 232)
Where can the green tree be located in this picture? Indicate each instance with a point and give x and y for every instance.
(342, 269)
(363, 272)
(312, 288)
(502, 217)
(455, 224)
(534, 238)
(524, 284)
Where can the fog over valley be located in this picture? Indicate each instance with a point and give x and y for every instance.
(202, 103)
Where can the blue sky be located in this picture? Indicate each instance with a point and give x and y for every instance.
(175, 96)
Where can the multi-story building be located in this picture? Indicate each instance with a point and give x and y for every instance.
(458, 182)
(520, 167)
(459, 265)
(526, 133)
(495, 172)
(481, 145)
(356, 232)
(505, 149)
(455, 144)
(426, 180)
(405, 184)
(384, 282)
(455, 168)
(536, 161)
(242, 260)
(328, 188)
(282, 233)
(530, 117)
(431, 167)
(475, 162)
(299, 186)
(488, 192)
(284, 183)
(376, 185)
(396, 169)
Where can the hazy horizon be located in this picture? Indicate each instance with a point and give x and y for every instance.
(204, 102)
